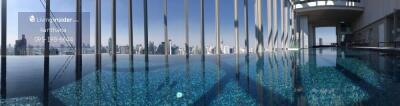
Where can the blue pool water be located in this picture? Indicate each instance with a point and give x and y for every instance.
(325, 76)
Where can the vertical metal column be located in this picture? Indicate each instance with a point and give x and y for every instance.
(78, 52)
(269, 24)
(217, 33)
(130, 26)
(288, 23)
(3, 82)
(187, 28)
(274, 23)
(78, 66)
(286, 11)
(395, 13)
(98, 34)
(236, 36)
(146, 34)
(246, 25)
(114, 34)
(203, 48)
(46, 56)
(236, 26)
(3, 89)
(47, 33)
(259, 28)
(293, 27)
(166, 40)
(3, 28)
(283, 25)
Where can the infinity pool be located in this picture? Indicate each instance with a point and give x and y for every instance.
(325, 76)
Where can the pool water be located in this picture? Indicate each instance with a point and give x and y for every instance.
(324, 76)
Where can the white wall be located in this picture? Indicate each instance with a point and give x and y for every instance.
(375, 10)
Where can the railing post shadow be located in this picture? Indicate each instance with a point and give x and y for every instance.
(3, 89)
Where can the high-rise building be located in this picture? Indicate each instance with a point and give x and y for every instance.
(320, 42)
(139, 49)
(152, 48)
(110, 44)
(123, 49)
(161, 48)
(20, 46)
(174, 49)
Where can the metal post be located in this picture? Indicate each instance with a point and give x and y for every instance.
(236, 26)
(3, 89)
(203, 48)
(187, 28)
(78, 66)
(47, 33)
(130, 26)
(275, 23)
(259, 28)
(246, 25)
(287, 30)
(46, 55)
(146, 33)
(98, 34)
(218, 49)
(269, 24)
(3, 28)
(395, 27)
(78, 52)
(166, 40)
(236, 36)
(78, 37)
(114, 34)
(283, 26)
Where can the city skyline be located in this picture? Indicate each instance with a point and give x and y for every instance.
(22, 47)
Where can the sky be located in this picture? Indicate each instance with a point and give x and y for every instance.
(327, 34)
(155, 15)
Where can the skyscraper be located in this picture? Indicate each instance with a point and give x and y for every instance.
(110, 45)
(20, 46)
(152, 48)
(320, 42)
(161, 48)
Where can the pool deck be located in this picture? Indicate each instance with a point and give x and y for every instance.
(389, 49)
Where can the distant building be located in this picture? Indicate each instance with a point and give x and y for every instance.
(110, 44)
(210, 49)
(152, 48)
(124, 49)
(161, 48)
(320, 42)
(196, 50)
(20, 46)
(174, 50)
(54, 51)
(139, 49)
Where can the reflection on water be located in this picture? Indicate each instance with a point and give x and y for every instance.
(326, 76)
(3, 89)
